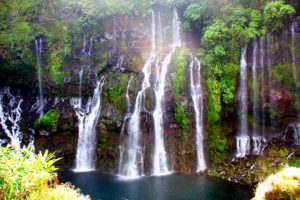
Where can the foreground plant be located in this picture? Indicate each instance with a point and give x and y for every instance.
(23, 175)
(282, 185)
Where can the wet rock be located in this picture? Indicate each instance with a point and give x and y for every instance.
(292, 134)
(223, 173)
(44, 133)
(281, 100)
(149, 100)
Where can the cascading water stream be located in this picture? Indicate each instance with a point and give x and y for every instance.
(269, 65)
(254, 86)
(295, 71)
(86, 62)
(160, 161)
(119, 67)
(126, 118)
(84, 57)
(262, 83)
(243, 139)
(197, 97)
(132, 165)
(297, 134)
(10, 117)
(88, 119)
(258, 142)
(39, 50)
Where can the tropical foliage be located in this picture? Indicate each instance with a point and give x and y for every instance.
(24, 175)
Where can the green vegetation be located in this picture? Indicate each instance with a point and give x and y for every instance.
(282, 185)
(182, 118)
(115, 92)
(295, 163)
(275, 12)
(283, 73)
(24, 175)
(226, 27)
(180, 64)
(48, 121)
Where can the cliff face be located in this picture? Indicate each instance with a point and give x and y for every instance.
(118, 53)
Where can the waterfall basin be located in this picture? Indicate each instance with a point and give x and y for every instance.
(174, 187)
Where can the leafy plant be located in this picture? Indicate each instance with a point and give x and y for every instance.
(48, 120)
(24, 175)
(182, 118)
(22, 172)
(275, 12)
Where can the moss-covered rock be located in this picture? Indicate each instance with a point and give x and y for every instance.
(49, 121)
(181, 60)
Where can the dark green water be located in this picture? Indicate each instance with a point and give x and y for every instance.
(172, 187)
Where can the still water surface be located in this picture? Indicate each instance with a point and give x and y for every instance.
(173, 187)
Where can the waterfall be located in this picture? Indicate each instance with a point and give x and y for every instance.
(295, 71)
(243, 139)
(269, 65)
(160, 31)
(126, 118)
(83, 56)
(160, 161)
(259, 144)
(254, 85)
(262, 83)
(197, 97)
(119, 67)
(39, 50)
(10, 117)
(132, 165)
(297, 134)
(88, 119)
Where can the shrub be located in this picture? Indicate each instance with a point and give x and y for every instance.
(24, 175)
(182, 118)
(48, 120)
(282, 185)
(22, 172)
(61, 192)
(275, 12)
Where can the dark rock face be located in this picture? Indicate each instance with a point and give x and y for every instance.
(281, 100)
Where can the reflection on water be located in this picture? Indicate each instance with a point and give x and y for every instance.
(172, 187)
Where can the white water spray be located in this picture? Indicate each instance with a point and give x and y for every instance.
(10, 117)
(197, 97)
(88, 119)
(160, 161)
(243, 139)
(39, 50)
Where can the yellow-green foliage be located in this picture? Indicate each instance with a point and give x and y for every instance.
(282, 185)
(24, 175)
(22, 172)
(61, 192)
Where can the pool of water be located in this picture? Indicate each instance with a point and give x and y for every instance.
(172, 187)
